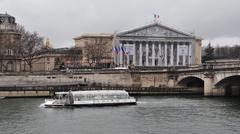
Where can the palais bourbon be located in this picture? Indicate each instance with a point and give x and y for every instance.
(156, 45)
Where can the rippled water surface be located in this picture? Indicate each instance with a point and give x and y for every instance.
(152, 115)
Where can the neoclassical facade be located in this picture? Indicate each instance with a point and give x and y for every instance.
(95, 38)
(156, 45)
(9, 37)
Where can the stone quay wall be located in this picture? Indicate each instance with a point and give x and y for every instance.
(116, 78)
(122, 78)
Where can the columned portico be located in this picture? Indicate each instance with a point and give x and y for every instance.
(155, 45)
(158, 54)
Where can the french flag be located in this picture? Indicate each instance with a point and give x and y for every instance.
(113, 49)
(122, 48)
(116, 49)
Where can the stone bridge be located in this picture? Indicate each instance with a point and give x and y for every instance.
(220, 80)
(210, 79)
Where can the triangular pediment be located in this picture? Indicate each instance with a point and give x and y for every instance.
(155, 30)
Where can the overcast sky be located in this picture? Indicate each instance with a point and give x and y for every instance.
(61, 20)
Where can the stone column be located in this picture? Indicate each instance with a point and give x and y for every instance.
(184, 54)
(159, 54)
(153, 54)
(177, 53)
(121, 54)
(190, 54)
(114, 55)
(187, 56)
(140, 54)
(134, 53)
(165, 54)
(126, 55)
(118, 54)
(147, 56)
(171, 56)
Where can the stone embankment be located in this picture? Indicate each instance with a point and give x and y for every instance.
(46, 83)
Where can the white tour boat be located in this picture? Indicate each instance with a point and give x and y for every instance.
(90, 98)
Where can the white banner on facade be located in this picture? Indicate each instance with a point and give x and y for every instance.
(183, 50)
(129, 49)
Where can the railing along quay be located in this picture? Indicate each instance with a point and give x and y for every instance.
(43, 87)
(148, 90)
(136, 69)
(77, 87)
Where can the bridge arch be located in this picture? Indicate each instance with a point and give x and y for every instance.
(230, 84)
(191, 81)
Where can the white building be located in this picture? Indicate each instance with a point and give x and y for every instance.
(156, 45)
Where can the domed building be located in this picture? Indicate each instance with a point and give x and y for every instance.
(9, 37)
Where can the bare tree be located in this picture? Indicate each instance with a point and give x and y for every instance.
(96, 51)
(89, 53)
(74, 55)
(30, 46)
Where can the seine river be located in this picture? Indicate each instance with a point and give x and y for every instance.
(152, 115)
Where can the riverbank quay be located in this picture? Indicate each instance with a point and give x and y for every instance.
(145, 91)
(45, 84)
(37, 90)
(48, 90)
(210, 79)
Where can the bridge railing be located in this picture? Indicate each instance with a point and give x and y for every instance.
(210, 67)
(226, 66)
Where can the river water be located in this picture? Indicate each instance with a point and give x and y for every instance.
(152, 115)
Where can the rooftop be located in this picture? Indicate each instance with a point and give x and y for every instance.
(94, 35)
(5, 15)
(159, 25)
(6, 18)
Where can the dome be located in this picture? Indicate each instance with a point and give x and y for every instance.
(6, 18)
(47, 45)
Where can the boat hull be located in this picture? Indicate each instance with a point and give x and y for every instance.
(53, 106)
(90, 104)
(101, 105)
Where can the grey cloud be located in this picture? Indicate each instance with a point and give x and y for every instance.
(61, 20)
